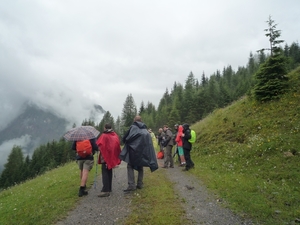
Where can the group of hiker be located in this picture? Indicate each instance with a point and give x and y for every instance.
(181, 139)
(138, 152)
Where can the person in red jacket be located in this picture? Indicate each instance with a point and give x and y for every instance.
(179, 142)
(109, 146)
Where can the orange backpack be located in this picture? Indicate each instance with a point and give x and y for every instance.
(84, 148)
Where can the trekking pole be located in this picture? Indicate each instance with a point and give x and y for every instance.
(96, 172)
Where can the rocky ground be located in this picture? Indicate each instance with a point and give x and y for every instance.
(201, 206)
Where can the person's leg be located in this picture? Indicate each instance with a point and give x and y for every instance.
(110, 175)
(187, 157)
(181, 155)
(140, 178)
(84, 177)
(106, 181)
(130, 177)
(86, 166)
(171, 158)
(166, 159)
(105, 178)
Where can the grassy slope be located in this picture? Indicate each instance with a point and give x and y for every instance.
(249, 154)
(42, 200)
(252, 165)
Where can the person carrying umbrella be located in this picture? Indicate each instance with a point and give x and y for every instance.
(84, 143)
(85, 164)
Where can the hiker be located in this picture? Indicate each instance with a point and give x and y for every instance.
(176, 153)
(85, 164)
(138, 152)
(109, 147)
(153, 137)
(179, 145)
(187, 147)
(160, 138)
(168, 159)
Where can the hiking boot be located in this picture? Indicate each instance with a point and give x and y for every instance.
(104, 194)
(82, 192)
(139, 186)
(129, 189)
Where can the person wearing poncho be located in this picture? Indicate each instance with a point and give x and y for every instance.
(138, 152)
(109, 146)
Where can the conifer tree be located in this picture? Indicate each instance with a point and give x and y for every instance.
(128, 113)
(271, 79)
(12, 173)
(107, 118)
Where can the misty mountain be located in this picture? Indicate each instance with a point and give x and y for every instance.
(36, 126)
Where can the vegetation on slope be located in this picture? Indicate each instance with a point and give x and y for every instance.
(249, 154)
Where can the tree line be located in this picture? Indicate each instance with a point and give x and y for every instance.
(263, 79)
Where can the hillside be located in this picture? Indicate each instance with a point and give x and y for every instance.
(36, 126)
(249, 154)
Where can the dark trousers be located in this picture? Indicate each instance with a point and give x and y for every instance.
(187, 155)
(168, 158)
(106, 178)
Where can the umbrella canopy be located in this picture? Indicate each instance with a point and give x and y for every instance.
(81, 133)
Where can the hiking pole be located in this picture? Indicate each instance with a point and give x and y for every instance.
(96, 171)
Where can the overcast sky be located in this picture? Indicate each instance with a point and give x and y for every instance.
(68, 54)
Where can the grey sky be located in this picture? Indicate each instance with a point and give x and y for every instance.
(68, 55)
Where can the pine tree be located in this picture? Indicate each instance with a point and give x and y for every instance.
(128, 113)
(271, 79)
(107, 118)
(12, 173)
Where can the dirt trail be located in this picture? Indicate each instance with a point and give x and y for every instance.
(201, 207)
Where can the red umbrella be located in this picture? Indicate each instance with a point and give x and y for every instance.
(81, 133)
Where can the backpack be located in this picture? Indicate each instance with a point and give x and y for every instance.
(160, 155)
(84, 148)
(193, 137)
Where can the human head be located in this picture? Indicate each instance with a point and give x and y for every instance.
(138, 118)
(107, 126)
(149, 130)
(186, 126)
(176, 126)
(160, 130)
(165, 127)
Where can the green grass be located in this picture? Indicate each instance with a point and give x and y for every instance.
(42, 200)
(249, 154)
(157, 203)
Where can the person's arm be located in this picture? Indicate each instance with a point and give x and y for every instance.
(94, 145)
(125, 136)
(74, 145)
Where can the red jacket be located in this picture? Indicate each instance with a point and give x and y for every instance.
(109, 146)
(178, 138)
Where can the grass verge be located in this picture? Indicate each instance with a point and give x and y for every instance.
(157, 203)
(42, 200)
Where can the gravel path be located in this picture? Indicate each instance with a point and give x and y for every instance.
(110, 210)
(201, 207)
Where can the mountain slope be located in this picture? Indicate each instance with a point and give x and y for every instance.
(249, 154)
(41, 125)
